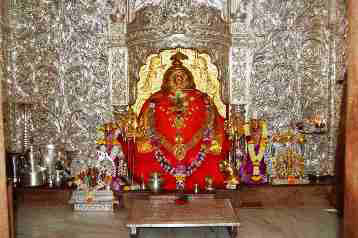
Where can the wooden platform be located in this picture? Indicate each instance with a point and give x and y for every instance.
(267, 196)
(42, 196)
(288, 196)
(197, 212)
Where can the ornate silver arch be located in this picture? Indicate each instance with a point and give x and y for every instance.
(178, 24)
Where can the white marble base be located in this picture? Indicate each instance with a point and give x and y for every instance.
(100, 201)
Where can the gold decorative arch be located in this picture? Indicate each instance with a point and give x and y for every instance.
(204, 72)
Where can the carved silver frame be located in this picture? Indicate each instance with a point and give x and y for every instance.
(177, 25)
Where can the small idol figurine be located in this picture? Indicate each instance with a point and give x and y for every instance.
(253, 166)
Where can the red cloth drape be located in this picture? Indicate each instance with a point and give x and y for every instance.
(195, 115)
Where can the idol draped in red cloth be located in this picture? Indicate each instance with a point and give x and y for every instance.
(183, 134)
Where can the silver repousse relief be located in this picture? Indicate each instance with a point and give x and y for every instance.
(287, 60)
(72, 60)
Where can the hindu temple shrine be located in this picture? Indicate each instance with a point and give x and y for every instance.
(182, 118)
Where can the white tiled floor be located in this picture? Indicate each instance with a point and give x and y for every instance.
(61, 222)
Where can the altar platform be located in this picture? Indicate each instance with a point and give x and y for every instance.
(264, 211)
(61, 222)
(314, 195)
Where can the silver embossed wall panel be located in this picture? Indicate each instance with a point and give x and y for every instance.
(31, 56)
(135, 5)
(118, 70)
(84, 71)
(286, 59)
(69, 60)
(338, 24)
(3, 84)
(59, 60)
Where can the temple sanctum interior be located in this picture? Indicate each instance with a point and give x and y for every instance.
(180, 118)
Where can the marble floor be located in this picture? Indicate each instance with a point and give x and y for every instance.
(61, 222)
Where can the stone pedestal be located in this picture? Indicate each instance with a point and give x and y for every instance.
(92, 201)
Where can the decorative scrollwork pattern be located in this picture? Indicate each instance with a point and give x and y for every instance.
(59, 65)
(286, 59)
(73, 60)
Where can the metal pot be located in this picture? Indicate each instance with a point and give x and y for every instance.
(155, 182)
(14, 164)
(32, 158)
(59, 178)
(49, 154)
(33, 178)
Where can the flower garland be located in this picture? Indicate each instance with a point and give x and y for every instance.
(189, 170)
(256, 158)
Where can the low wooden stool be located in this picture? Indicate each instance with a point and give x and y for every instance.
(199, 212)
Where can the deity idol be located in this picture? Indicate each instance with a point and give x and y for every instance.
(182, 134)
(253, 166)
